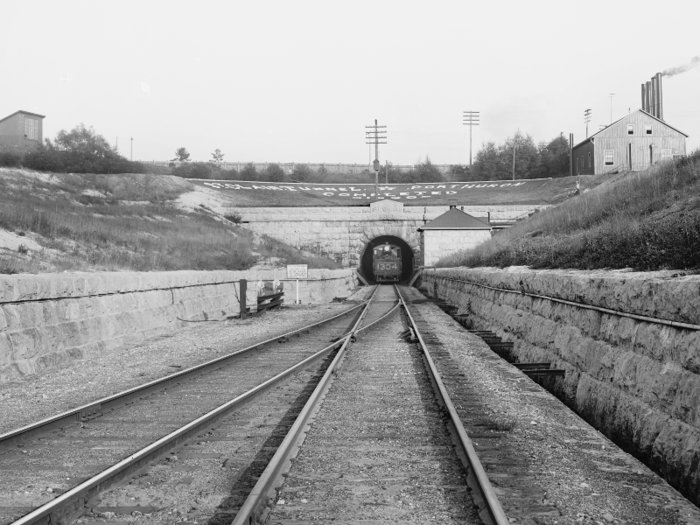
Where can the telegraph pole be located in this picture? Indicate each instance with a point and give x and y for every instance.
(587, 119)
(376, 135)
(515, 145)
(471, 118)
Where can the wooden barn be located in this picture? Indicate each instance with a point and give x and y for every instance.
(21, 131)
(633, 143)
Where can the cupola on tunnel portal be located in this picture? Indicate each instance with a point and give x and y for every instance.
(407, 257)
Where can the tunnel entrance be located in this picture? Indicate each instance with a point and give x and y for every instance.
(406, 257)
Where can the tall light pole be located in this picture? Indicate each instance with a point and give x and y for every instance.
(132, 148)
(470, 118)
(611, 96)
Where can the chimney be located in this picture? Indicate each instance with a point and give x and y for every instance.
(648, 97)
(659, 97)
(644, 97)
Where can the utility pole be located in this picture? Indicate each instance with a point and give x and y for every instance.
(571, 154)
(132, 148)
(587, 119)
(376, 135)
(611, 96)
(470, 118)
(515, 144)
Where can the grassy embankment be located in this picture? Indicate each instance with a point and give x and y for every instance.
(123, 222)
(644, 221)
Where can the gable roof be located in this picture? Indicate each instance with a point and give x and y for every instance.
(626, 117)
(25, 112)
(455, 219)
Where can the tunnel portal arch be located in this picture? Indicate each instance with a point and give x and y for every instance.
(407, 257)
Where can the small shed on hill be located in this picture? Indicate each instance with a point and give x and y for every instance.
(21, 131)
(633, 143)
(451, 232)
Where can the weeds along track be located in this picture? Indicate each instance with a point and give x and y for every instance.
(224, 415)
(382, 446)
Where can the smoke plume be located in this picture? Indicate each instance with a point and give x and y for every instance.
(694, 62)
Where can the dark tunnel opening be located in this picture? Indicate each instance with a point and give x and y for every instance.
(406, 257)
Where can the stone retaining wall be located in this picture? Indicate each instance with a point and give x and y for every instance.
(48, 319)
(638, 382)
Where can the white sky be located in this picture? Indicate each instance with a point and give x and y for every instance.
(298, 81)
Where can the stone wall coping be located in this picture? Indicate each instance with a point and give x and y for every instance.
(666, 295)
(30, 287)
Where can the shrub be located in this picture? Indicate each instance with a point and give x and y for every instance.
(80, 150)
(302, 173)
(10, 159)
(44, 158)
(234, 218)
(274, 173)
(249, 172)
(195, 170)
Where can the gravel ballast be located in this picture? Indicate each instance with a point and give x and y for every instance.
(79, 382)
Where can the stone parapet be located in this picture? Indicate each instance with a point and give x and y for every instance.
(637, 381)
(46, 320)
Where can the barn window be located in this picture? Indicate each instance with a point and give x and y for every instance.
(31, 128)
(647, 129)
(589, 159)
(609, 156)
(630, 129)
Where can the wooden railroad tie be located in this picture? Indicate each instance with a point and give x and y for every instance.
(539, 369)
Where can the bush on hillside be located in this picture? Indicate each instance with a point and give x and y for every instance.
(249, 172)
(274, 173)
(80, 150)
(10, 159)
(196, 170)
(302, 173)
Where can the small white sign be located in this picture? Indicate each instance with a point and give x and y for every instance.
(297, 271)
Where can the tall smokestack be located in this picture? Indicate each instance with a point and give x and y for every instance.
(659, 97)
(648, 97)
(654, 100)
(644, 97)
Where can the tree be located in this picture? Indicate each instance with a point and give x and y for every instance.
(488, 164)
(554, 158)
(249, 172)
(182, 155)
(82, 150)
(274, 173)
(428, 172)
(526, 156)
(302, 173)
(218, 157)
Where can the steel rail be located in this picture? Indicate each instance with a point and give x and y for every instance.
(493, 506)
(70, 501)
(250, 510)
(9, 438)
(637, 317)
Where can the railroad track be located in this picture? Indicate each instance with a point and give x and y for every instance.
(77, 455)
(383, 442)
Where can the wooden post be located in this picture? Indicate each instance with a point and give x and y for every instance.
(242, 297)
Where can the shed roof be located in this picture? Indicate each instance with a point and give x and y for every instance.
(626, 117)
(455, 219)
(25, 112)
